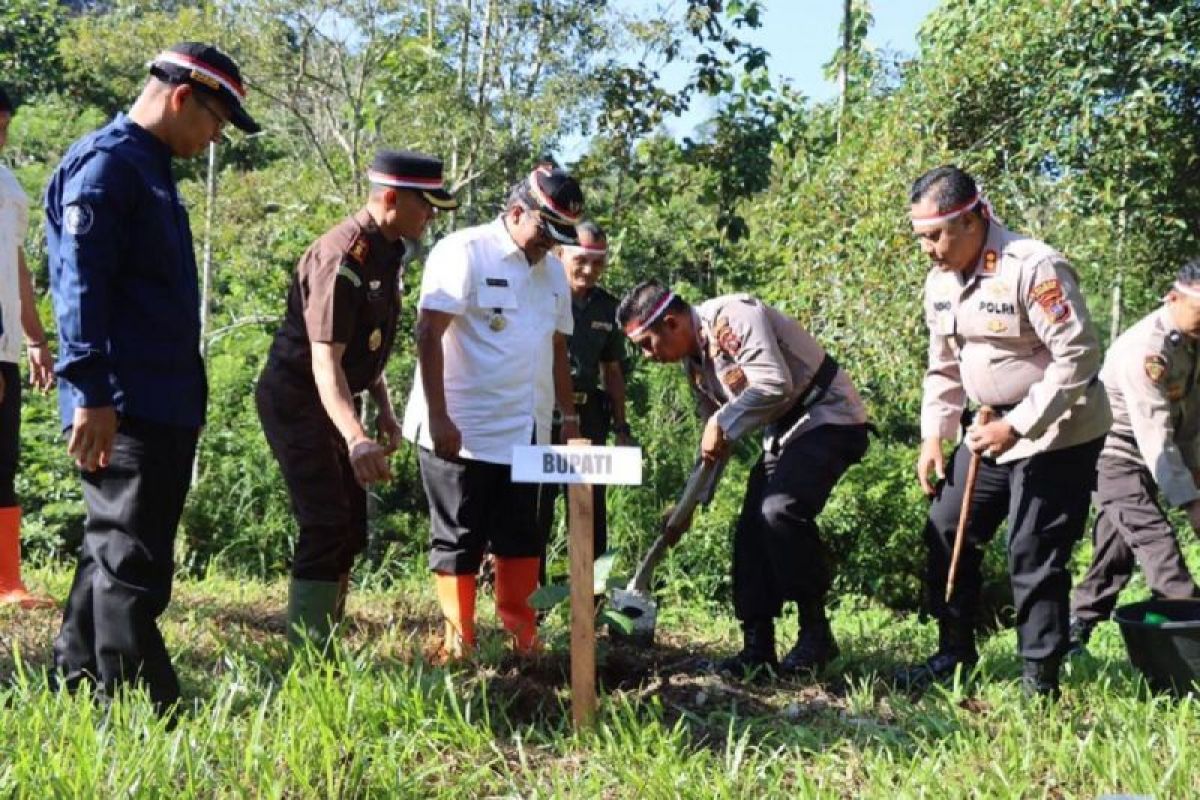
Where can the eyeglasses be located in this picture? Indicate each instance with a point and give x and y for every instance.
(543, 227)
(221, 121)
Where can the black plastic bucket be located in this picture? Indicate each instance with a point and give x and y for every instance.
(1163, 640)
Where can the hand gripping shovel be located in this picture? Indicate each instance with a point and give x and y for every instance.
(635, 600)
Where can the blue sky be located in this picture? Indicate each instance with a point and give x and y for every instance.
(801, 36)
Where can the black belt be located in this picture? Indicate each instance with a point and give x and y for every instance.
(812, 394)
(968, 412)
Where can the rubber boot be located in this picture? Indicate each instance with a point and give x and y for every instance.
(312, 607)
(815, 647)
(955, 655)
(12, 590)
(757, 658)
(456, 595)
(516, 580)
(1040, 678)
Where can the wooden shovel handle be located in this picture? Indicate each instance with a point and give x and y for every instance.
(982, 417)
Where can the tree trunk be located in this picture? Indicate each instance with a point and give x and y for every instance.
(844, 66)
(206, 273)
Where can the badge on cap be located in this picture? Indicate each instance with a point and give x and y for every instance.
(497, 321)
(375, 340)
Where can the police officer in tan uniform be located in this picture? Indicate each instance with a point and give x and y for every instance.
(342, 311)
(1008, 328)
(1151, 375)
(752, 367)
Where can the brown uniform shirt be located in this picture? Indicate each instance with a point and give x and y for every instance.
(1151, 376)
(755, 364)
(1014, 331)
(346, 290)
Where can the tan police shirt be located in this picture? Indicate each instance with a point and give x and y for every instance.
(1151, 377)
(1014, 331)
(755, 364)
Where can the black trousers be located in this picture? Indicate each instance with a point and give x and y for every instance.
(778, 554)
(1045, 500)
(329, 505)
(475, 506)
(1130, 529)
(122, 584)
(10, 433)
(594, 419)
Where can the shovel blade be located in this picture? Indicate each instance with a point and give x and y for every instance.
(640, 608)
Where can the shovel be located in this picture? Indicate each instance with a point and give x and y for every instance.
(635, 600)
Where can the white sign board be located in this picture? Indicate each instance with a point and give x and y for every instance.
(573, 464)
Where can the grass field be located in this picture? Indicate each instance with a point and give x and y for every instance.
(384, 723)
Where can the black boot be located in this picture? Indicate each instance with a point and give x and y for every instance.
(757, 658)
(1078, 635)
(955, 654)
(1040, 678)
(815, 647)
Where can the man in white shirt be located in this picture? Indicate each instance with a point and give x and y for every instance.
(18, 309)
(493, 300)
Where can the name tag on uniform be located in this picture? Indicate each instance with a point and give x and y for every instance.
(497, 281)
(945, 323)
(597, 325)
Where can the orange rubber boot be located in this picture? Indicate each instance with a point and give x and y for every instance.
(12, 590)
(516, 580)
(456, 594)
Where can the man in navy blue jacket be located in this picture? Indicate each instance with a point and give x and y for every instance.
(132, 390)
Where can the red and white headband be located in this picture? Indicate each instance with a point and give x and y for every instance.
(207, 70)
(979, 199)
(587, 249)
(638, 328)
(1190, 291)
(547, 202)
(403, 181)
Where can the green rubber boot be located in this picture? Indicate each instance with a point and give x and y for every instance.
(312, 610)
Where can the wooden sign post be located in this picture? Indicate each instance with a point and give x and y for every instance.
(580, 466)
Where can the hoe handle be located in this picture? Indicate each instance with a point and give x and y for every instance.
(982, 417)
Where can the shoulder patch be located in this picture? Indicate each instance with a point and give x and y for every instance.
(727, 340)
(347, 272)
(77, 218)
(1156, 367)
(1049, 295)
(735, 380)
(359, 249)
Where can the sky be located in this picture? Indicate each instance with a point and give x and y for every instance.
(801, 36)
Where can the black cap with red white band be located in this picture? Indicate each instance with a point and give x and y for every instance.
(557, 196)
(206, 67)
(407, 169)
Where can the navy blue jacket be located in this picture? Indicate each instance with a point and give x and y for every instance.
(123, 279)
